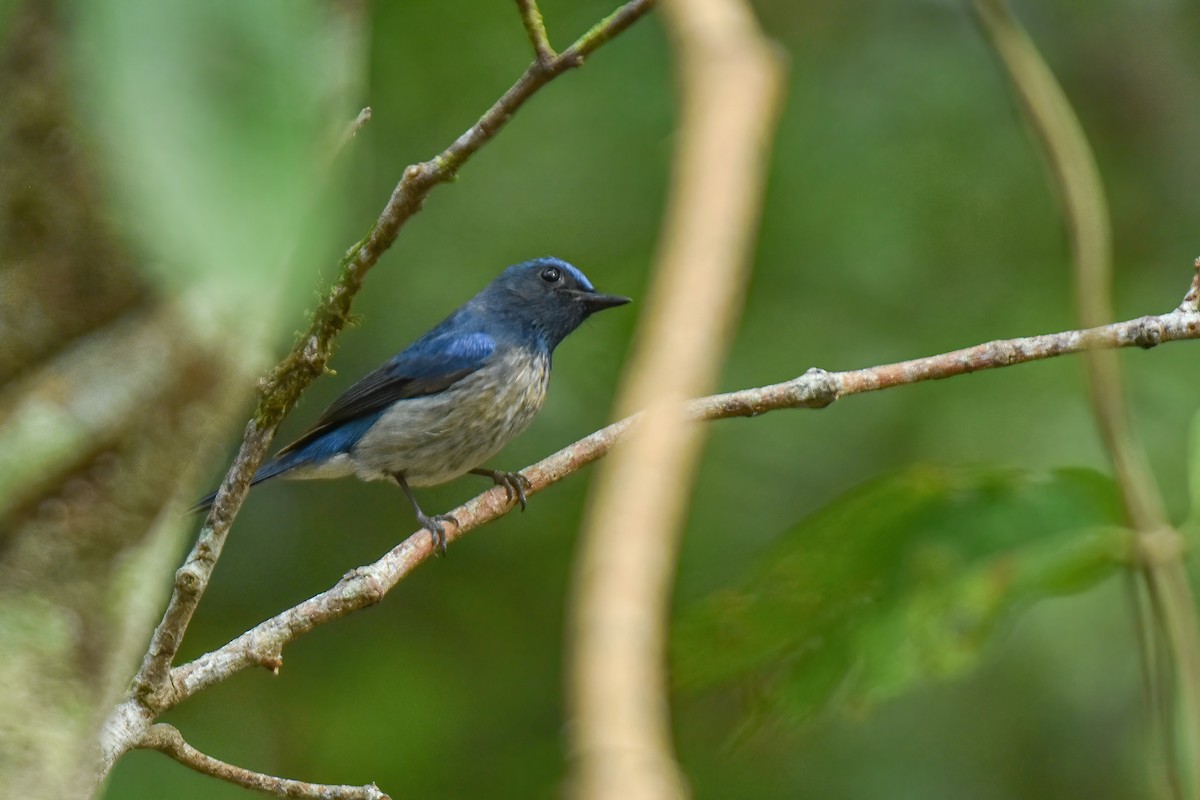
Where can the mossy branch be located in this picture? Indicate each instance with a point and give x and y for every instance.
(282, 386)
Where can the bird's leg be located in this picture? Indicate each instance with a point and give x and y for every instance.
(513, 482)
(434, 524)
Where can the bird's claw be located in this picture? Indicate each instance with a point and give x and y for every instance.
(514, 484)
(437, 530)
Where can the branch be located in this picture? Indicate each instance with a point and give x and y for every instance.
(535, 26)
(263, 645)
(281, 387)
(731, 81)
(167, 739)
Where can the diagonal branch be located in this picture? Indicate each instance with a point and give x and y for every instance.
(167, 739)
(281, 387)
(263, 645)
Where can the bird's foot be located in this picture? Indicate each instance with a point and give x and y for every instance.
(514, 483)
(436, 529)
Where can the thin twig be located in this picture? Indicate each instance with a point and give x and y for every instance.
(263, 645)
(281, 387)
(535, 26)
(167, 739)
(1085, 209)
(731, 81)
(1191, 300)
(1075, 173)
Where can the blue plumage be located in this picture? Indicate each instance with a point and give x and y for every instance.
(454, 397)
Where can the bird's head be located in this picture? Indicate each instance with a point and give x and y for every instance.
(546, 295)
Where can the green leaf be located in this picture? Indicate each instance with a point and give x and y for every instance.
(901, 580)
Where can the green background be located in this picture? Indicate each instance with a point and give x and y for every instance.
(907, 213)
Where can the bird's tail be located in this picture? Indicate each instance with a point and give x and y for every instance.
(273, 468)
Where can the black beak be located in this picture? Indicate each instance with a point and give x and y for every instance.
(593, 301)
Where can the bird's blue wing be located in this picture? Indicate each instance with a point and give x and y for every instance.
(430, 365)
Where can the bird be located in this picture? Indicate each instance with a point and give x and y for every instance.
(454, 397)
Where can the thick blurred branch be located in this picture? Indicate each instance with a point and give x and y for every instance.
(263, 645)
(619, 722)
(282, 386)
(167, 739)
(103, 382)
(1085, 209)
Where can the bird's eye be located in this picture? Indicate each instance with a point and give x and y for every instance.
(551, 274)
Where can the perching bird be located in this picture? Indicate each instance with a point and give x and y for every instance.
(453, 398)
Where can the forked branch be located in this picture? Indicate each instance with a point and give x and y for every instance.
(151, 691)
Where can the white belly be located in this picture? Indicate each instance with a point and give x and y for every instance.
(434, 439)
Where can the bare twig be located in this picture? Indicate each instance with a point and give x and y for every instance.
(619, 718)
(263, 645)
(167, 739)
(1078, 178)
(1191, 300)
(535, 26)
(281, 387)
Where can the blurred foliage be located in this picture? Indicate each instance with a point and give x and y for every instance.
(217, 123)
(907, 213)
(900, 580)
